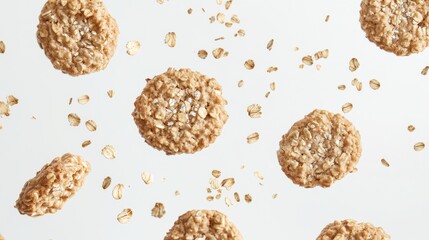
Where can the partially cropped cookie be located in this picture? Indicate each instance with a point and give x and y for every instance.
(352, 230)
(78, 36)
(203, 224)
(180, 111)
(319, 149)
(53, 185)
(398, 26)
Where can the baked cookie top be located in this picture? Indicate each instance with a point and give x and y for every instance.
(78, 36)
(319, 149)
(180, 111)
(203, 224)
(53, 185)
(351, 230)
(398, 26)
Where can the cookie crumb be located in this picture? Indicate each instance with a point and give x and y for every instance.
(158, 210)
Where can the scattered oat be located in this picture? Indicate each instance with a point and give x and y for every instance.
(301, 66)
(1, 126)
(214, 183)
(270, 45)
(411, 128)
(74, 119)
(307, 60)
(83, 99)
(2, 47)
(70, 101)
(147, 178)
(425, 70)
(228, 24)
(190, 11)
(158, 210)
(228, 4)
(133, 47)
(327, 18)
(359, 86)
(252, 138)
(12, 100)
(249, 64)
(272, 69)
(318, 67)
(254, 111)
(106, 182)
(235, 19)
(240, 83)
(237, 197)
(419, 146)
(267, 94)
(240, 33)
(219, 2)
(248, 198)
(273, 86)
(212, 19)
(177, 193)
(374, 84)
(117, 191)
(218, 196)
(385, 163)
(109, 152)
(4, 109)
(91, 125)
(220, 17)
(228, 183)
(210, 198)
(355, 82)
(296, 49)
(275, 195)
(202, 54)
(259, 175)
(160, 1)
(228, 201)
(170, 39)
(86, 143)
(341, 87)
(111, 93)
(216, 173)
(219, 38)
(353, 64)
(321, 54)
(1, 237)
(219, 52)
(125, 216)
(347, 107)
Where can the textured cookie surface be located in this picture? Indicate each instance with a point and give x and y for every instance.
(180, 111)
(203, 225)
(78, 36)
(53, 185)
(319, 149)
(352, 230)
(398, 26)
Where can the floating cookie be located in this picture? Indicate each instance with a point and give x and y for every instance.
(180, 111)
(53, 185)
(401, 27)
(351, 230)
(78, 36)
(203, 224)
(319, 149)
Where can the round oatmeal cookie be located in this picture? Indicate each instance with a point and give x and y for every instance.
(203, 224)
(180, 111)
(78, 36)
(351, 230)
(398, 26)
(53, 185)
(319, 149)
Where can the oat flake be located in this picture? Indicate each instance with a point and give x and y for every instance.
(86, 143)
(2, 47)
(353, 64)
(91, 125)
(170, 39)
(12, 100)
(74, 119)
(248, 198)
(270, 45)
(133, 47)
(411, 128)
(117, 191)
(83, 99)
(419, 146)
(347, 107)
(385, 163)
(124, 217)
(254, 111)
(147, 178)
(252, 138)
(374, 84)
(106, 182)
(158, 210)
(249, 64)
(109, 152)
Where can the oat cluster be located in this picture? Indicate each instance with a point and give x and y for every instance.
(78, 36)
(351, 230)
(398, 26)
(180, 111)
(203, 224)
(53, 185)
(319, 149)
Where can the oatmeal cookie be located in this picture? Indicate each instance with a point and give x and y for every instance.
(53, 185)
(203, 224)
(398, 26)
(180, 111)
(78, 36)
(319, 149)
(350, 230)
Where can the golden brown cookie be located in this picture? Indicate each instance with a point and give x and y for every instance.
(53, 185)
(180, 111)
(78, 36)
(203, 224)
(398, 26)
(351, 230)
(319, 149)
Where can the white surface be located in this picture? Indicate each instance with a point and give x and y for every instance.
(395, 198)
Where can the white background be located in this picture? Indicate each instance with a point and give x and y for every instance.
(395, 198)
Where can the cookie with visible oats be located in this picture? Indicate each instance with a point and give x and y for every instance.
(350, 230)
(319, 149)
(78, 36)
(398, 26)
(203, 224)
(53, 185)
(180, 111)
